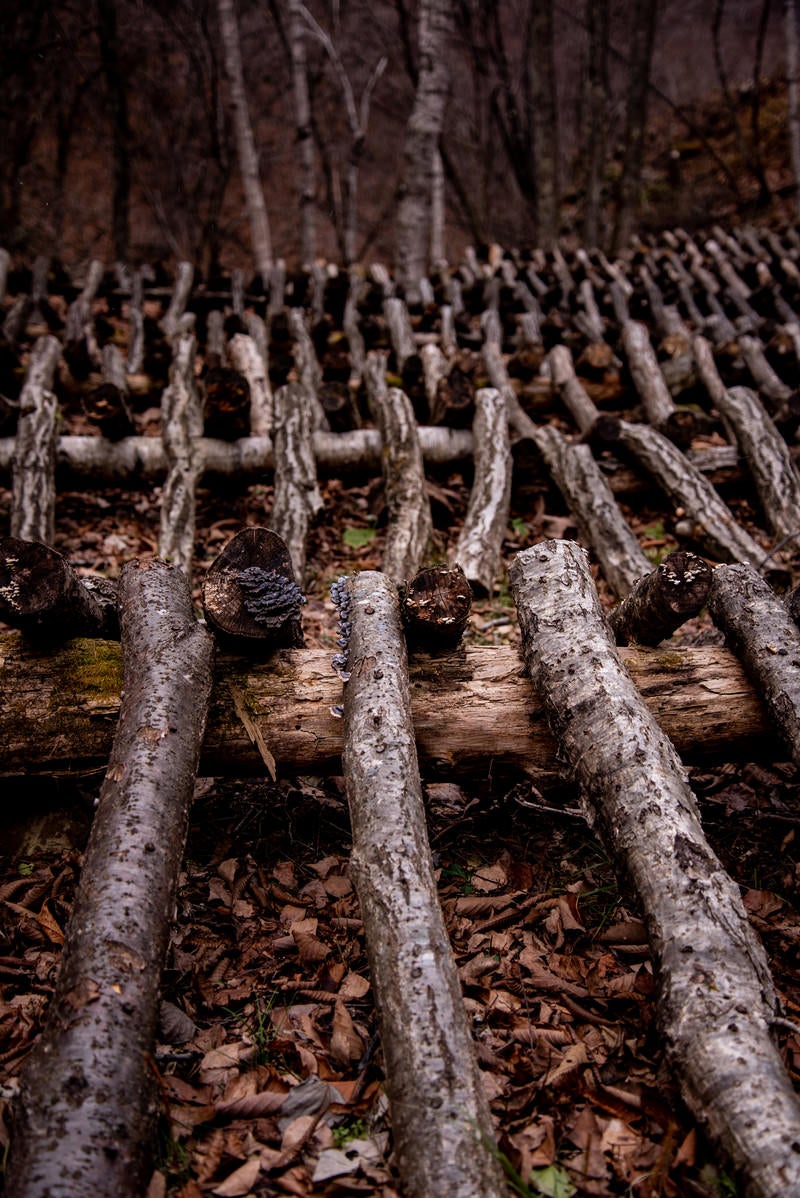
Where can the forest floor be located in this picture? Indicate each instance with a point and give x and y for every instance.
(267, 990)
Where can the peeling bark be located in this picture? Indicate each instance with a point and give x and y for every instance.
(762, 633)
(478, 550)
(84, 1119)
(33, 496)
(662, 601)
(297, 499)
(716, 1000)
(434, 1086)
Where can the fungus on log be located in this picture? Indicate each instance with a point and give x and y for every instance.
(410, 523)
(478, 550)
(85, 1116)
(716, 999)
(763, 635)
(663, 600)
(434, 1086)
(56, 711)
(250, 593)
(297, 499)
(181, 429)
(42, 595)
(33, 496)
(435, 606)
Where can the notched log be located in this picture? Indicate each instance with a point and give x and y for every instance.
(250, 593)
(662, 600)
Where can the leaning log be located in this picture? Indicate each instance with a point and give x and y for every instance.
(677, 423)
(441, 1125)
(33, 465)
(760, 630)
(42, 595)
(297, 500)
(716, 1000)
(171, 320)
(663, 600)
(181, 427)
(470, 708)
(478, 550)
(245, 357)
(410, 523)
(85, 1117)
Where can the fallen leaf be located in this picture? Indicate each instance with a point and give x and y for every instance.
(346, 1044)
(241, 1181)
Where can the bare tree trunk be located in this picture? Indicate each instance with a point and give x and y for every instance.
(437, 209)
(642, 39)
(597, 126)
(305, 143)
(245, 142)
(544, 122)
(716, 1000)
(117, 99)
(790, 33)
(436, 28)
(85, 1117)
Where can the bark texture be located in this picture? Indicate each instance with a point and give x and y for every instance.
(57, 710)
(181, 428)
(662, 601)
(84, 1121)
(33, 496)
(171, 321)
(479, 545)
(716, 1000)
(436, 28)
(410, 524)
(659, 406)
(762, 633)
(246, 358)
(302, 120)
(440, 1116)
(297, 499)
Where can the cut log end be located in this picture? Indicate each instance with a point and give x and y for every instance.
(662, 600)
(250, 594)
(435, 606)
(41, 595)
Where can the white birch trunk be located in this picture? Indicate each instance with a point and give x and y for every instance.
(302, 120)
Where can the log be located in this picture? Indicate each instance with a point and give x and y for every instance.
(435, 606)
(246, 358)
(42, 595)
(479, 547)
(716, 1002)
(79, 315)
(107, 406)
(5, 264)
(470, 708)
(171, 320)
(580, 406)
(441, 1125)
(136, 321)
(308, 368)
(713, 525)
(783, 401)
(181, 427)
(250, 594)
(85, 1116)
(761, 632)
(297, 499)
(399, 325)
(33, 496)
(680, 424)
(663, 600)
(410, 524)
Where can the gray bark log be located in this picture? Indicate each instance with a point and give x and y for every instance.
(79, 316)
(308, 368)
(171, 320)
(57, 711)
(760, 630)
(245, 357)
(136, 321)
(245, 142)
(648, 380)
(181, 429)
(716, 1001)
(410, 524)
(440, 1116)
(659, 603)
(33, 496)
(297, 499)
(575, 399)
(85, 1117)
(305, 142)
(766, 380)
(395, 313)
(478, 550)
(436, 28)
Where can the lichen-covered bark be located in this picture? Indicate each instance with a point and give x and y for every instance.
(181, 428)
(663, 600)
(715, 999)
(440, 1116)
(480, 541)
(297, 499)
(33, 495)
(57, 710)
(84, 1119)
(762, 633)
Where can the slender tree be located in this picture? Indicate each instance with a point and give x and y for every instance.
(642, 39)
(543, 109)
(245, 142)
(436, 30)
(117, 100)
(597, 116)
(302, 118)
(790, 25)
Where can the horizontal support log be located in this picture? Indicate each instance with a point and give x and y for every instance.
(473, 709)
